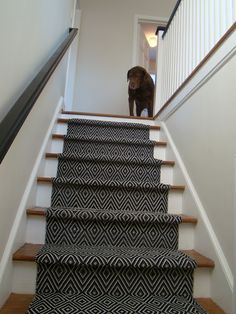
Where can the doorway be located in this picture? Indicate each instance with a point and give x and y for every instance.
(145, 43)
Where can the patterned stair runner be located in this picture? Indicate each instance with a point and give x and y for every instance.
(105, 167)
(110, 245)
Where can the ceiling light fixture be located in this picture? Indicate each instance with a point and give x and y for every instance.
(152, 40)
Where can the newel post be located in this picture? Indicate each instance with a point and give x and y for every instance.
(159, 70)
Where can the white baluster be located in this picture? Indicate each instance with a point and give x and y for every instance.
(217, 21)
(187, 19)
(195, 33)
(207, 26)
(185, 54)
(167, 51)
(164, 71)
(174, 53)
(223, 15)
(191, 39)
(170, 76)
(159, 72)
(178, 34)
(230, 13)
(211, 23)
(181, 44)
(202, 33)
(234, 11)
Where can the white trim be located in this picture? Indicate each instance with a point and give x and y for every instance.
(72, 63)
(73, 14)
(67, 95)
(7, 255)
(159, 85)
(67, 106)
(217, 60)
(234, 219)
(146, 19)
(219, 252)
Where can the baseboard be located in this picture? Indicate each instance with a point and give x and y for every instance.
(6, 265)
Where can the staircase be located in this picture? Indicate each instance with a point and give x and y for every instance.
(122, 250)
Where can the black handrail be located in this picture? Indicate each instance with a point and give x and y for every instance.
(171, 17)
(13, 121)
(160, 28)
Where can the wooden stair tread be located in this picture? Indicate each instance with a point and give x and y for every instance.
(18, 304)
(180, 188)
(105, 115)
(56, 155)
(202, 261)
(61, 137)
(28, 251)
(65, 120)
(210, 306)
(40, 211)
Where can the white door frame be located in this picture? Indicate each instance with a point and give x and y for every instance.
(145, 19)
(160, 21)
(72, 60)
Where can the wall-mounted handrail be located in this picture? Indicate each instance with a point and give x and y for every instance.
(171, 18)
(11, 124)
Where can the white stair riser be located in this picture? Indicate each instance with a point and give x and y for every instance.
(166, 174)
(44, 191)
(35, 230)
(102, 118)
(61, 128)
(36, 227)
(43, 197)
(202, 283)
(24, 279)
(50, 170)
(57, 147)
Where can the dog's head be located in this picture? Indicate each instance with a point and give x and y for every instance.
(136, 76)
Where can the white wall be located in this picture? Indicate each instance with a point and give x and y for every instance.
(204, 132)
(30, 31)
(106, 50)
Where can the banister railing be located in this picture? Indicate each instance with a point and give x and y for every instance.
(194, 29)
(11, 124)
(171, 18)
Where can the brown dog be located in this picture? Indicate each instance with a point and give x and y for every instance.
(141, 91)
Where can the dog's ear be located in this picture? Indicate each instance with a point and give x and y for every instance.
(144, 73)
(146, 78)
(128, 74)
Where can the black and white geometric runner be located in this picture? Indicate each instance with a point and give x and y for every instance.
(110, 244)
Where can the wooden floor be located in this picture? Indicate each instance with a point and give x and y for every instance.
(18, 304)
